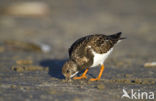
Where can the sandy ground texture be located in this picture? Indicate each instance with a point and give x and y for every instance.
(34, 48)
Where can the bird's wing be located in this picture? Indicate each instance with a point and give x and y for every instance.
(76, 45)
(100, 44)
(104, 42)
(80, 53)
(82, 56)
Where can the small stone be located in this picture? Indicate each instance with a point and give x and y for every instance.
(28, 9)
(120, 64)
(17, 68)
(13, 86)
(52, 92)
(76, 99)
(30, 96)
(22, 68)
(46, 69)
(24, 62)
(128, 75)
(43, 96)
(2, 49)
(100, 86)
(150, 64)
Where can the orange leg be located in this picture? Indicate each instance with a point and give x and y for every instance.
(83, 76)
(98, 78)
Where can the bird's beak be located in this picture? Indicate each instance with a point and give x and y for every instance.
(73, 74)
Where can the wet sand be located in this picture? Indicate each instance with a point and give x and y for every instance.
(29, 73)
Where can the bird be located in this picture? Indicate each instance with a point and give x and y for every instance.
(88, 52)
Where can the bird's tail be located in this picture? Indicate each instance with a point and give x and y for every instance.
(117, 36)
(122, 38)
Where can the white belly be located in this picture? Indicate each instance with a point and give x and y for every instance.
(100, 58)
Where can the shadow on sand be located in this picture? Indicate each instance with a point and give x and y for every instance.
(55, 67)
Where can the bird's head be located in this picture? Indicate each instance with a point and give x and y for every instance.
(69, 69)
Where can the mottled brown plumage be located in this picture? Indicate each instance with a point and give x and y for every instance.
(81, 50)
(82, 55)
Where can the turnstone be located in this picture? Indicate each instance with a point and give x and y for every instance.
(88, 52)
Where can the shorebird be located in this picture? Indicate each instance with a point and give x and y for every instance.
(87, 52)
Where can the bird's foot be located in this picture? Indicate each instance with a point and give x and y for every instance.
(94, 79)
(81, 77)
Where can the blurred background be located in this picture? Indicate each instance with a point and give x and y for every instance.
(39, 33)
(60, 23)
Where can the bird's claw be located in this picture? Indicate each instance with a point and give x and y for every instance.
(94, 79)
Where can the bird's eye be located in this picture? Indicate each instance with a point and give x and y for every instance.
(67, 71)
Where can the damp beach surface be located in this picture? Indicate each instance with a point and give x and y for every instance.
(34, 46)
